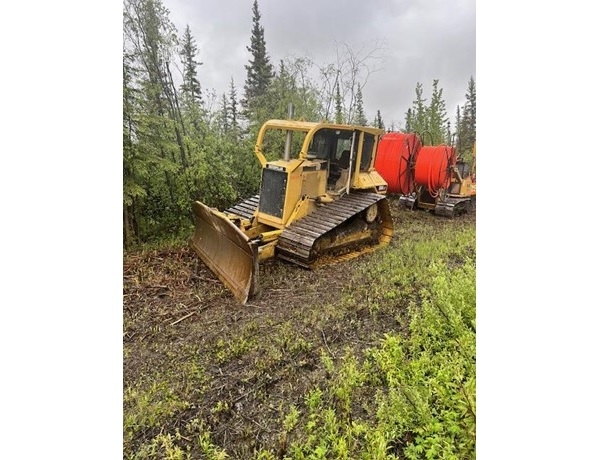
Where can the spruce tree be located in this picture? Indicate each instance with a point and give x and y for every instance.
(459, 130)
(416, 118)
(135, 167)
(409, 121)
(224, 117)
(437, 117)
(469, 115)
(259, 71)
(465, 122)
(233, 109)
(339, 111)
(191, 86)
(359, 114)
(378, 122)
(282, 92)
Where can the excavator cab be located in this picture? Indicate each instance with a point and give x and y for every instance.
(324, 200)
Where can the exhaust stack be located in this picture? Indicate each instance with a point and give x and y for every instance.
(288, 134)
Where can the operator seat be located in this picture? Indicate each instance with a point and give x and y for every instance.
(337, 166)
(344, 159)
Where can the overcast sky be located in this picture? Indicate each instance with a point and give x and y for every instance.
(418, 41)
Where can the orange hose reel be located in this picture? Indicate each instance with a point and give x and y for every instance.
(433, 167)
(395, 159)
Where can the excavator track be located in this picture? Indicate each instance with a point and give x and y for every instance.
(338, 230)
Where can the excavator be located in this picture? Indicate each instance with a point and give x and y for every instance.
(324, 204)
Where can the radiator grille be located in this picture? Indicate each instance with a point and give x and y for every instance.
(273, 192)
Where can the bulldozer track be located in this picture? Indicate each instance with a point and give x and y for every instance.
(245, 209)
(297, 241)
(453, 207)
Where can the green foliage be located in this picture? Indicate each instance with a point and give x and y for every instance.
(465, 122)
(291, 419)
(430, 376)
(163, 446)
(148, 408)
(423, 382)
(226, 351)
(153, 401)
(180, 446)
(154, 148)
(431, 120)
(289, 86)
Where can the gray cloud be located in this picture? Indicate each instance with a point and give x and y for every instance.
(417, 41)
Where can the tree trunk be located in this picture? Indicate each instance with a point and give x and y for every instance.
(128, 229)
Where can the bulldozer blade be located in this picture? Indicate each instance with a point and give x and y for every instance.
(226, 250)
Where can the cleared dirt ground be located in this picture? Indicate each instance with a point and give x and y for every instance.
(236, 369)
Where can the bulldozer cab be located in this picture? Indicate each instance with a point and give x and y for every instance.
(347, 151)
(339, 146)
(334, 147)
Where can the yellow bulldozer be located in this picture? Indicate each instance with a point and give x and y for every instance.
(324, 204)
